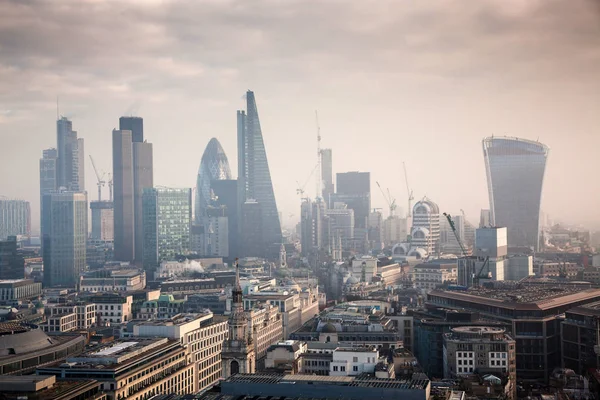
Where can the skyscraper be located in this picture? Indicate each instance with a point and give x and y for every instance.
(15, 218)
(70, 156)
(124, 228)
(12, 264)
(354, 189)
(135, 125)
(103, 220)
(425, 232)
(327, 174)
(143, 178)
(64, 237)
(214, 166)
(254, 177)
(167, 218)
(515, 175)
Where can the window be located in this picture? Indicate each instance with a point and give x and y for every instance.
(343, 368)
(459, 362)
(335, 368)
(459, 369)
(354, 359)
(355, 368)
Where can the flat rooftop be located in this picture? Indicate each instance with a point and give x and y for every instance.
(524, 298)
(591, 309)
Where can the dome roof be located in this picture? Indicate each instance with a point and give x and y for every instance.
(352, 280)
(329, 328)
(425, 206)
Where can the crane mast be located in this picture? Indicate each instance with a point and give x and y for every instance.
(409, 193)
(101, 181)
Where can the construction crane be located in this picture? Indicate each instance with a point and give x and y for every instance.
(389, 199)
(300, 189)
(480, 275)
(409, 192)
(101, 181)
(110, 187)
(462, 247)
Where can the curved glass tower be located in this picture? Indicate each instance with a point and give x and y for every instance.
(515, 175)
(213, 167)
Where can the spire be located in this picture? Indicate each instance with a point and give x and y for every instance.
(237, 290)
(237, 275)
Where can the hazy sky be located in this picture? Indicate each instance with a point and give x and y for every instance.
(415, 81)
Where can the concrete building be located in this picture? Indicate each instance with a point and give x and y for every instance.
(375, 227)
(427, 276)
(103, 224)
(12, 264)
(124, 208)
(64, 237)
(323, 387)
(394, 230)
(132, 368)
(84, 312)
(518, 267)
(48, 387)
(339, 227)
(167, 222)
(265, 325)
(25, 346)
(48, 176)
(285, 356)
(579, 334)
(533, 314)
(113, 280)
(15, 218)
(492, 244)
(112, 308)
(214, 236)
(165, 307)
(353, 361)
(201, 334)
(480, 349)
(15, 290)
(425, 231)
(515, 173)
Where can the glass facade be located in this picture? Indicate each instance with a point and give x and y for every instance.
(254, 176)
(15, 218)
(167, 217)
(214, 166)
(515, 175)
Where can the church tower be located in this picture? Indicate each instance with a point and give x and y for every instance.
(238, 355)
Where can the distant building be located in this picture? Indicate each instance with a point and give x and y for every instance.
(254, 177)
(167, 223)
(485, 219)
(12, 264)
(353, 361)
(491, 245)
(394, 230)
(354, 189)
(376, 231)
(102, 220)
(214, 166)
(425, 232)
(15, 218)
(327, 174)
(214, 236)
(226, 193)
(252, 227)
(311, 222)
(430, 275)
(515, 171)
(49, 387)
(15, 290)
(64, 237)
(111, 280)
(70, 157)
(48, 176)
(339, 227)
(124, 207)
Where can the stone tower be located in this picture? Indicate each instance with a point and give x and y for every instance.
(238, 350)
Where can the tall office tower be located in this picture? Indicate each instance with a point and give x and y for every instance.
(135, 125)
(395, 230)
(327, 174)
(69, 155)
(515, 175)
(225, 192)
(376, 230)
(48, 176)
(213, 167)
(64, 237)
(143, 176)
(15, 218)
(339, 227)
(124, 227)
(252, 239)
(12, 264)
(354, 189)
(103, 218)
(425, 232)
(311, 222)
(81, 164)
(166, 223)
(254, 177)
(485, 218)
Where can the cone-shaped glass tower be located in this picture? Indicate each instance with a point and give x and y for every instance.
(213, 167)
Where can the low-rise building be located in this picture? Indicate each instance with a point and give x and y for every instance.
(352, 361)
(61, 323)
(285, 356)
(15, 290)
(166, 306)
(579, 334)
(112, 307)
(430, 275)
(85, 314)
(264, 323)
(42, 387)
(135, 368)
(113, 280)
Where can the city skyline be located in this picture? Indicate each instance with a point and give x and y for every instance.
(422, 112)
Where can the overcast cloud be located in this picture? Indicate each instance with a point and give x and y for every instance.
(415, 81)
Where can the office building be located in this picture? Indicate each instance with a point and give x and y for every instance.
(15, 218)
(143, 178)
(103, 219)
(339, 227)
(64, 237)
(538, 338)
(135, 125)
(226, 193)
(311, 223)
(238, 355)
(515, 174)
(491, 245)
(327, 175)
(485, 219)
(131, 368)
(48, 175)
(213, 166)
(425, 231)
(111, 280)
(430, 275)
(579, 333)
(254, 177)
(252, 228)
(15, 290)
(214, 236)
(375, 234)
(70, 157)
(12, 264)
(124, 229)
(354, 189)
(49, 387)
(167, 223)
(394, 230)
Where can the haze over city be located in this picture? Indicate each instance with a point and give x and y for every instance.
(393, 81)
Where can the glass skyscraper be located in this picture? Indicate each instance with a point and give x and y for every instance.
(254, 177)
(515, 175)
(167, 215)
(15, 218)
(64, 237)
(214, 166)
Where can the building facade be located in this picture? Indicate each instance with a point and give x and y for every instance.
(213, 166)
(167, 223)
(12, 264)
(124, 230)
(425, 232)
(327, 174)
(15, 218)
(254, 177)
(64, 237)
(103, 217)
(354, 189)
(515, 173)
(70, 157)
